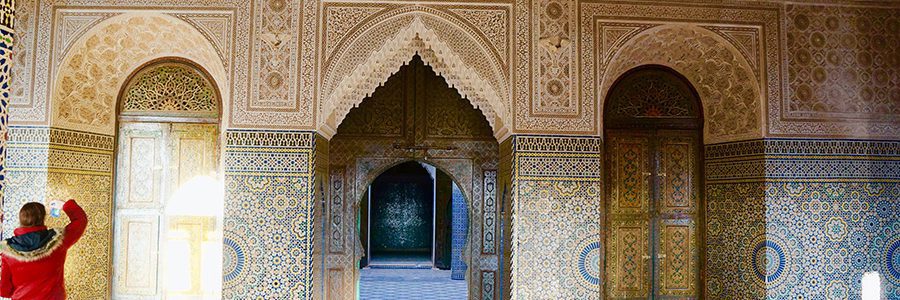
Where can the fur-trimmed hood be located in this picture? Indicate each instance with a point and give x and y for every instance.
(33, 246)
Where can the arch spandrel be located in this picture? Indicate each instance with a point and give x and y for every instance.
(87, 84)
(370, 56)
(730, 93)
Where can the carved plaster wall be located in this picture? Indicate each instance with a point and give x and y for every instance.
(727, 53)
(359, 58)
(843, 73)
(91, 75)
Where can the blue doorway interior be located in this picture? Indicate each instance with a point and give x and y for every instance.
(415, 220)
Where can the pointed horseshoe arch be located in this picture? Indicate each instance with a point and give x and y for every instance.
(372, 54)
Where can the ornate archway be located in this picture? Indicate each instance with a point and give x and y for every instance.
(728, 88)
(654, 199)
(366, 58)
(98, 64)
(414, 116)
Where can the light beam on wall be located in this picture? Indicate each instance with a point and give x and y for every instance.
(871, 286)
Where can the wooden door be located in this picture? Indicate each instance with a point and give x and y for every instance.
(630, 195)
(677, 176)
(653, 180)
(154, 161)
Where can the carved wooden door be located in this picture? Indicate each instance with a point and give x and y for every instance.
(155, 160)
(653, 182)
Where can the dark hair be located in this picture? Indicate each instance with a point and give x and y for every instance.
(32, 214)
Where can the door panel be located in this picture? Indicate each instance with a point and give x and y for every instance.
(678, 174)
(629, 177)
(629, 261)
(137, 264)
(677, 258)
(138, 206)
(139, 166)
(193, 148)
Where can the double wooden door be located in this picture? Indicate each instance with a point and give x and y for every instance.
(653, 186)
(167, 239)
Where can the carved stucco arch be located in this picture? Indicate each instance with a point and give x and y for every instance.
(92, 72)
(728, 88)
(367, 57)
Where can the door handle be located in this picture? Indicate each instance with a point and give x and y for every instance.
(646, 173)
(646, 257)
(662, 174)
(662, 255)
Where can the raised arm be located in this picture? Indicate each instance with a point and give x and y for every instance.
(77, 223)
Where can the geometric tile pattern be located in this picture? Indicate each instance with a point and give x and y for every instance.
(268, 214)
(460, 224)
(556, 218)
(490, 212)
(56, 163)
(809, 223)
(7, 17)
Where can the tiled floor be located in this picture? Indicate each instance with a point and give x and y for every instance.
(400, 261)
(413, 284)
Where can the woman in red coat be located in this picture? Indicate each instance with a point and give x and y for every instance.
(34, 258)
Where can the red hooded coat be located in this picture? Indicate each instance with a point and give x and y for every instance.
(34, 259)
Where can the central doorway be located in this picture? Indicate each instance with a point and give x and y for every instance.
(414, 223)
(417, 135)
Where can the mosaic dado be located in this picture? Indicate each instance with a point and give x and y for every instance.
(271, 259)
(559, 214)
(56, 163)
(809, 222)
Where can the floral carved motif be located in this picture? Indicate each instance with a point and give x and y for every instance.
(170, 87)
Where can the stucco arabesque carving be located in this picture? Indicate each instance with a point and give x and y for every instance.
(416, 38)
(92, 73)
(728, 89)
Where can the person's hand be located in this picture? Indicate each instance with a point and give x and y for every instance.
(55, 207)
(55, 204)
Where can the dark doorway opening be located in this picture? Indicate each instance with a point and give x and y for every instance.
(402, 217)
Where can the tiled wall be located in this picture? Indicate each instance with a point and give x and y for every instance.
(825, 213)
(7, 35)
(460, 224)
(54, 163)
(268, 215)
(735, 216)
(556, 207)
